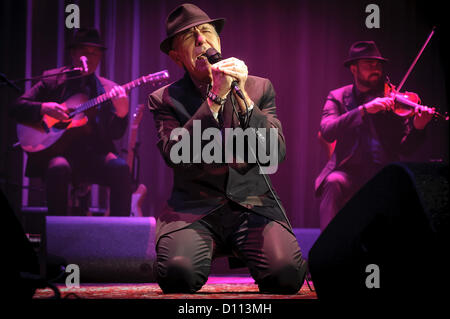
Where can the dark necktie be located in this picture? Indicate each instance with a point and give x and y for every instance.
(220, 117)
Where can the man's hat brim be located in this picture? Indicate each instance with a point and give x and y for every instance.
(348, 62)
(73, 45)
(166, 45)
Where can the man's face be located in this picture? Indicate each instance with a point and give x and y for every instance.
(188, 47)
(367, 72)
(92, 53)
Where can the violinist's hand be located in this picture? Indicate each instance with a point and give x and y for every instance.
(422, 116)
(380, 104)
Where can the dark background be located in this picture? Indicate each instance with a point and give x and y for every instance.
(298, 45)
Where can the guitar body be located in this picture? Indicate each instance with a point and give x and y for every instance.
(35, 138)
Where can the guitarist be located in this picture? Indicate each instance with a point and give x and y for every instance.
(84, 154)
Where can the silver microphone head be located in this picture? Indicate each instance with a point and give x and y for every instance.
(83, 60)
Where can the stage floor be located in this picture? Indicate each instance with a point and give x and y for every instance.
(215, 288)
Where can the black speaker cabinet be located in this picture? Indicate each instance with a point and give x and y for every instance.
(105, 249)
(19, 260)
(391, 239)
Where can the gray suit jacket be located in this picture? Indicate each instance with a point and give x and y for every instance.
(200, 188)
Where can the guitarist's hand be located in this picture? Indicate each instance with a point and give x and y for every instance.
(55, 110)
(120, 100)
(118, 92)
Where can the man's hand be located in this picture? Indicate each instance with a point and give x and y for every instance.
(380, 104)
(119, 100)
(55, 110)
(225, 72)
(422, 116)
(118, 92)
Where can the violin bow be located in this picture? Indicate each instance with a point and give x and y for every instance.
(413, 64)
(415, 60)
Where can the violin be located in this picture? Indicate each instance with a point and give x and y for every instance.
(406, 102)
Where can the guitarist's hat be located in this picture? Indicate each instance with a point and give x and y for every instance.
(86, 36)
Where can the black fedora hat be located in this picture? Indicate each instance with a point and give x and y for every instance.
(363, 50)
(86, 36)
(185, 17)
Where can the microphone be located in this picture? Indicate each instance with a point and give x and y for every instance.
(213, 57)
(83, 60)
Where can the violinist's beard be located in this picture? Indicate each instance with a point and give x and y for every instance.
(372, 82)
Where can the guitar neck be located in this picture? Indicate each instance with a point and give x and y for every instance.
(155, 77)
(91, 103)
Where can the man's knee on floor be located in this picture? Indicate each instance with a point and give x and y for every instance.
(58, 167)
(284, 279)
(178, 275)
(118, 173)
(117, 165)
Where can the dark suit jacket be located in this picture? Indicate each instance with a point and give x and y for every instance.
(342, 122)
(106, 126)
(198, 189)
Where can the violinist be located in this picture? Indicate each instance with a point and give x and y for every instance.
(358, 120)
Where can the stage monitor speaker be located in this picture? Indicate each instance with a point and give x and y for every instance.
(19, 260)
(105, 249)
(390, 240)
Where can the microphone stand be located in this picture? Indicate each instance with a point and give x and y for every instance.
(8, 82)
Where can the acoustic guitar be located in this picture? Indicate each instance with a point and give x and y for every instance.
(41, 136)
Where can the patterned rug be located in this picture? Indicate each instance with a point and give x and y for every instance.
(215, 288)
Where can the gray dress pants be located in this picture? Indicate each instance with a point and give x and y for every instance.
(269, 250)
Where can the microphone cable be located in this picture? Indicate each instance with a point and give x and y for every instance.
(258, 163)
(214, 56)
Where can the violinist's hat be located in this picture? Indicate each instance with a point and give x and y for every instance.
(363, 50)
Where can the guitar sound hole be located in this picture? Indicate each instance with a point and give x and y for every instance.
(61, 125)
